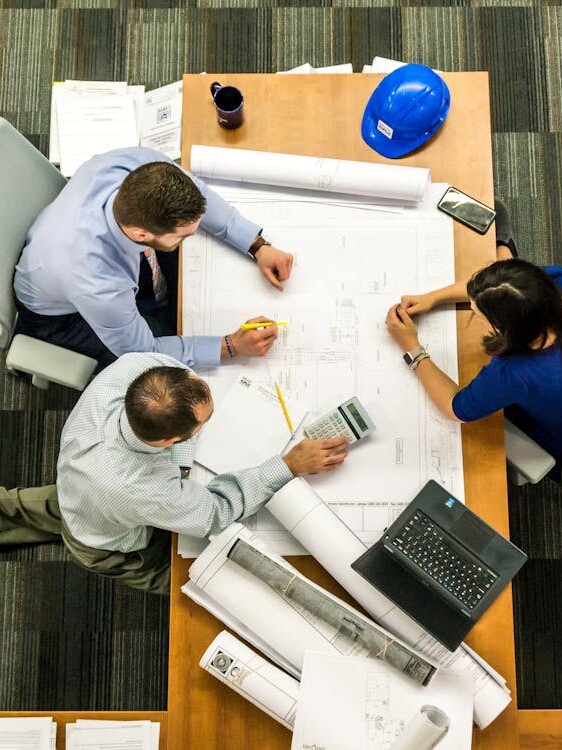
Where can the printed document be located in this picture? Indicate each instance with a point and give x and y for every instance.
(350, 703)
(90, 125)
(28, 733)
(109, 736)
(161, 123)
(247, 427)
(124, 726)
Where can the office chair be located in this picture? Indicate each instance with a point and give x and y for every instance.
(526, 461)
(28, 182)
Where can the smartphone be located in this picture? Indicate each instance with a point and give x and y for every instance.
(467, 210)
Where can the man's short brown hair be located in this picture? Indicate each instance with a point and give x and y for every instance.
(160, 403)
(158, 197)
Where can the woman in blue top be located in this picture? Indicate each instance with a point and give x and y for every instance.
(522, 305)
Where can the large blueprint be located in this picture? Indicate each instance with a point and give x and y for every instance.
(352, 262)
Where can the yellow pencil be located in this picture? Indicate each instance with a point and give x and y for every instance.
(253, 326)
(284, 407)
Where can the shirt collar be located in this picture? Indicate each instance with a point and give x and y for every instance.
(132, 440)
(127, 245)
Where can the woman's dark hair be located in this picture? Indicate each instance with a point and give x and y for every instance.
(160, 403)
(522, 304)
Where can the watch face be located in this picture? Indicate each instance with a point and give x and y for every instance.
(408, 359)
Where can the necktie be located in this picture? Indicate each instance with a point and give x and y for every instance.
(158, 280)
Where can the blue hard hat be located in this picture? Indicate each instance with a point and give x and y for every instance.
(408, 106)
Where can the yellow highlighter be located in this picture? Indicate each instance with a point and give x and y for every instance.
(254, 326)
(284, 407)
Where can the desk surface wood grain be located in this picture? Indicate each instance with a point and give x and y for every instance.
(320, 115)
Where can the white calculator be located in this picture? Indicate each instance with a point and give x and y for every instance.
(349, 419)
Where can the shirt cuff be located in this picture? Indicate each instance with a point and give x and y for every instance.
(275, 473)
(207, 351)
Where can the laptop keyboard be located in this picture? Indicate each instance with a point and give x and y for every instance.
(425, 544)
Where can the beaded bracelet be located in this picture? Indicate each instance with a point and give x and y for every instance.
(229, 347)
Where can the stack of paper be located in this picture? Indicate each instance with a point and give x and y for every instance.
(91, 734)
(384, 65)
(31, 733)
(307, 68)
(90, 117)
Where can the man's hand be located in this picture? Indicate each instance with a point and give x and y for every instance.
(402, 328)
(254, 343)
(314, 456)
(275, 265)
(416, 304)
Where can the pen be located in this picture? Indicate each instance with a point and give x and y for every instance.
(284, 407)
(254, 326)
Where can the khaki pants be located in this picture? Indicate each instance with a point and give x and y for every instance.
(33, 515)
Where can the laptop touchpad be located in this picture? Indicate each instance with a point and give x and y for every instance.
(471, 532)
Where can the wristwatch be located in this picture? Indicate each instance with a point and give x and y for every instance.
(256, 244)
(413, 358)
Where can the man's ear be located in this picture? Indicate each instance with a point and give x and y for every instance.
(140, 235)
(170, 441)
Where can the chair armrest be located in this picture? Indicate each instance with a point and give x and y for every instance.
(47, 362)
(525, 456)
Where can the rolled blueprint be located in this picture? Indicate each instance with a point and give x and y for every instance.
(252, 677)
(391, 182)
(305, 515)
(277, 625)
(313, 599)
(424, 731)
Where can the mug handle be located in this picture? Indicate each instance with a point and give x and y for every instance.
(215, 86)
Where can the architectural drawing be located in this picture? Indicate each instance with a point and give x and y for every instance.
(351, 265)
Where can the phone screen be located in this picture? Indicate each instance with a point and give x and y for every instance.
(467, 209)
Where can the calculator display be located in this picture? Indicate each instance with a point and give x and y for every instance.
(352, 409)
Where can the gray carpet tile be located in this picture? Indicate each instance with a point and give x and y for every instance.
(71, 640)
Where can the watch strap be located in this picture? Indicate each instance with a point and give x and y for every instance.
(410, 357)
(256, 244)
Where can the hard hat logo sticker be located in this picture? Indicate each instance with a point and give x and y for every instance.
(385, 129)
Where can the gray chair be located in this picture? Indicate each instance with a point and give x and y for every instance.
(28, 182)
(526, 461)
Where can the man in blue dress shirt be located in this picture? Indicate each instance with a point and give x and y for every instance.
(77, 281)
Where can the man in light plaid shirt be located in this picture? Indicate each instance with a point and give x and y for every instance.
(123, 467)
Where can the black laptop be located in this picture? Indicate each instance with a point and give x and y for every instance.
(441, 564)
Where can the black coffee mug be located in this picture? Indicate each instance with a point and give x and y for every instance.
(229, 104)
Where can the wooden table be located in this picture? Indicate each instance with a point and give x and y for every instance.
(320, 115)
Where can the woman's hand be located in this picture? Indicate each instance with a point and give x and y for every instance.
(402, 328)
(416, 304)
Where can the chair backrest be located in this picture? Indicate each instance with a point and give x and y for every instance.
(28, 182)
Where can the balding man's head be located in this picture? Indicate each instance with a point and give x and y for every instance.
(166, 402)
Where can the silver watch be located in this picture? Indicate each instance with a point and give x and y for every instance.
(410, 357)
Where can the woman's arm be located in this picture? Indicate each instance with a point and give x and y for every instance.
(415, 304)
(438, 386)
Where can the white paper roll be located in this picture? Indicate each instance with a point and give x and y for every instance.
(254, 678)
(397, 183)
(305, 515)
(424, 730)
